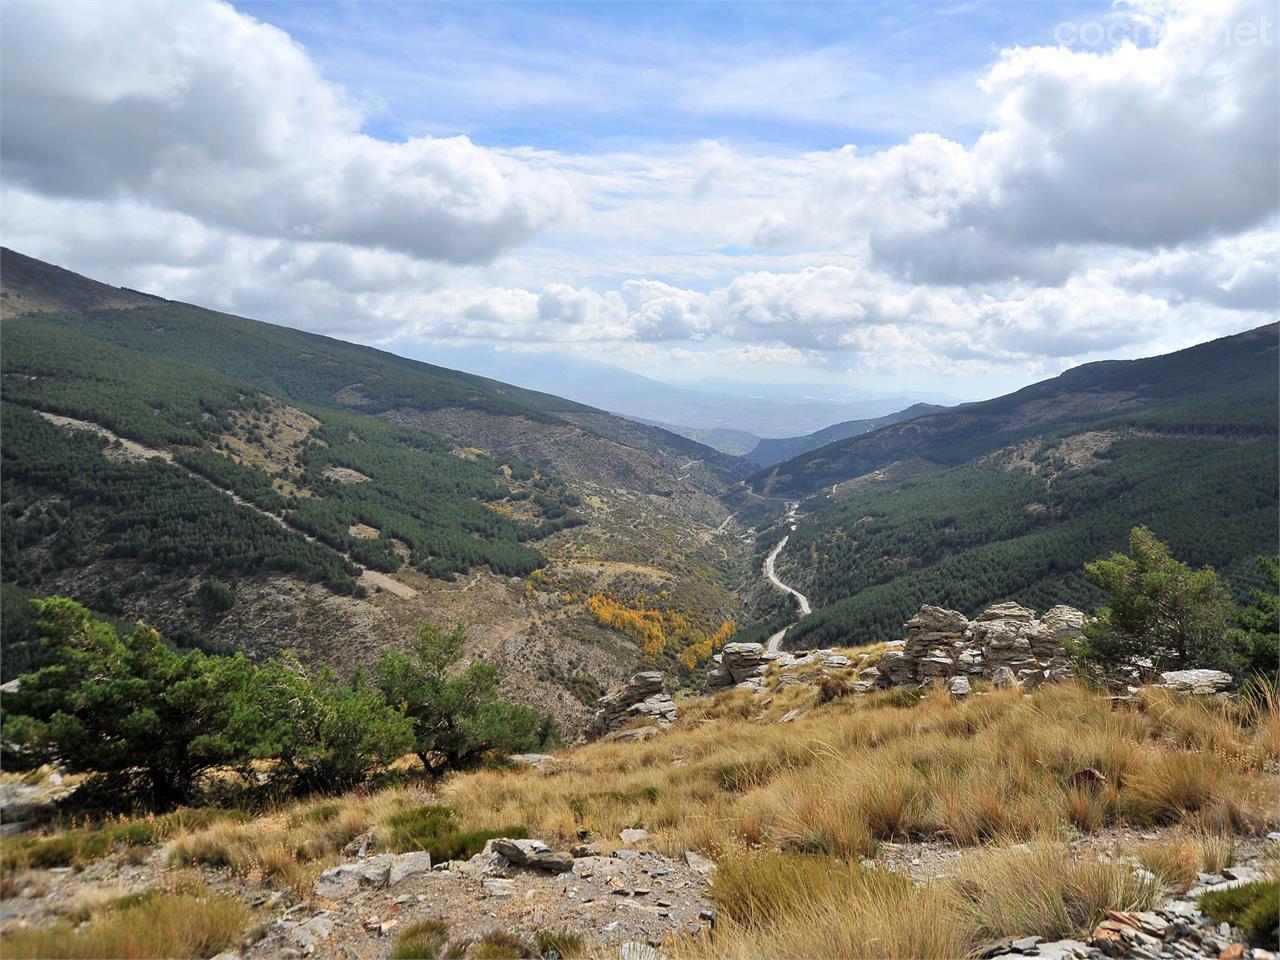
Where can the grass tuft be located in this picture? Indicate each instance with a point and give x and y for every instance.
(423, 940)
(158, 926)
(559, 943)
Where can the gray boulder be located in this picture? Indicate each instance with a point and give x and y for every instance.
(533, 854)
(1196, 682)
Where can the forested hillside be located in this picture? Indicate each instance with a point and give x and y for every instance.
(1224, 386)
(247, 486)
(1189, 449)
(311, 369)
(412, 492)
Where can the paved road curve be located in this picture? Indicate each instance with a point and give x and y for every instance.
(776, 639)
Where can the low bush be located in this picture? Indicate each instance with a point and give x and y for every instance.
(435, 829)
(423, 940)
(1252, 907)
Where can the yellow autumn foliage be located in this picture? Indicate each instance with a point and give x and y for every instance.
(655, 629)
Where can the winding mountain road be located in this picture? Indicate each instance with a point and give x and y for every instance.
(775, 640)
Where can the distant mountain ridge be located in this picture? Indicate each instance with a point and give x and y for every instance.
(768, 452)
(1224, 384)
(692, 408)
(1010, 497)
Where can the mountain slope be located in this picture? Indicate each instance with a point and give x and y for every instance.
(1225, 385)
(247, 485)
(768, 452)
(1009, 498)
(309, 368)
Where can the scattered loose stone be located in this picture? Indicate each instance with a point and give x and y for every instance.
(499, 887)
(307, 934)
(699, 864)
(534, 854)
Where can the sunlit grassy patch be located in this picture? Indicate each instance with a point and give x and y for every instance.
(158, 925)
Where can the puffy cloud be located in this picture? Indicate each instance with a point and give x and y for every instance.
(1121, 203)
(1139, 147)
(203, 110)
(1242, 273)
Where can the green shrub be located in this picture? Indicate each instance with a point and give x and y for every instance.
(1252, 907)
(1158, 607)
(435, 829)
(421, 941)
(459, 721)
(560, 943)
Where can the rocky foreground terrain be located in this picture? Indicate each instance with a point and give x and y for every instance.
(951, 793)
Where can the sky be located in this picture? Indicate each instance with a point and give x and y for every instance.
(960, 197)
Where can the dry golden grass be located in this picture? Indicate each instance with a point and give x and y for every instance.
(1044, 890)
(863, 769)
(160, 925)
(778, 905)
(775, 905)
(789, 810)
(289, 847)
(1176, 858)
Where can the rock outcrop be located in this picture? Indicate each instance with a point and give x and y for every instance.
(1201, 683)
(738, 663)
(745, 664)
(643, 696)
(385, 869)
(1006, 644)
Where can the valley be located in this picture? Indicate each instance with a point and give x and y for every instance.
(622, 481)
(249, 521)
(382, 492)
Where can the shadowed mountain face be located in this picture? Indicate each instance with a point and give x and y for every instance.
(768, 452)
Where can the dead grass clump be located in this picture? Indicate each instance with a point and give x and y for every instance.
(1172, 784)
(831, 688)
(500, 945)
(1174, 860)
(155, 926)
(1178, 857)
(222, 845)
(1044, 890)
(777, 905)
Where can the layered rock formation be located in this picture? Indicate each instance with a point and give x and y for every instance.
(1006, 644)
(643, 696)
(745, 664)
